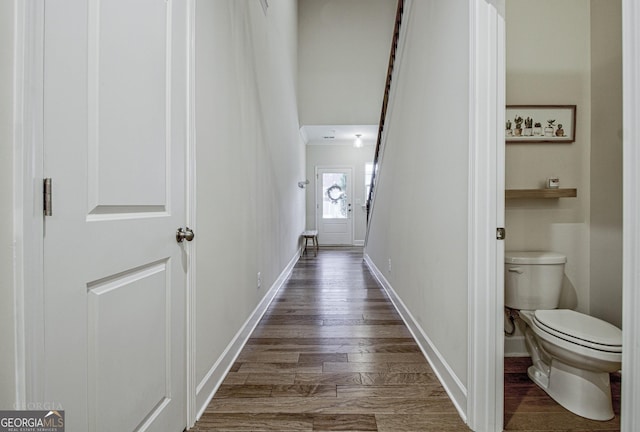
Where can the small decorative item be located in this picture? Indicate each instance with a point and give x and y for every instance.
(548, 131)
(335, 193)
(553, 183)
(518, 122)
(559, 121)
(537, 129)
(528, 126)
(508, 131)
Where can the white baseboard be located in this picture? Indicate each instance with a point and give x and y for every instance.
(452, 385)
(515, 346)
(213, 379)
(358, 242)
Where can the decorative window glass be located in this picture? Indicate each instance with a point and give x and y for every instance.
(334, 198)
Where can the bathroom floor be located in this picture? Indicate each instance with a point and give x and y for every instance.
(529, 408)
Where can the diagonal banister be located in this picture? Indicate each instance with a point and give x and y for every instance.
(385, 102)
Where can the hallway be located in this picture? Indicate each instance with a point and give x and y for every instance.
(331, 354)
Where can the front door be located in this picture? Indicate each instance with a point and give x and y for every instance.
(334, 206)
(114, 275)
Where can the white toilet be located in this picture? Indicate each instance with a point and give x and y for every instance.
(572, 353)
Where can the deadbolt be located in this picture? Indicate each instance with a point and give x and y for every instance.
(184, 234)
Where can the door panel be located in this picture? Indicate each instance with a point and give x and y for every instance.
(141, 298)
(334, 206)
(127, 102)
(114, 139)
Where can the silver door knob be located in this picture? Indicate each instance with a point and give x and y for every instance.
(184, 234)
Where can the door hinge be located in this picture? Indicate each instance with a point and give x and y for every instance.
(501, 234)
(47, 199)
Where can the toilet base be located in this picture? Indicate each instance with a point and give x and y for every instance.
(583, 392)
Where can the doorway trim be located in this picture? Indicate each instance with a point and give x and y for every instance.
(28, 226)
(485, 389)
(191, 381)
(630, 417)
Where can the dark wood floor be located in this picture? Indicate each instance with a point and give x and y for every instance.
(332, 354)
(529, 408)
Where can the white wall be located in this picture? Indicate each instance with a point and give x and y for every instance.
(606, 160)
(7, 328)
(552, 67)
(343, 58)
(344, 155)
(419, 221)
(250, 211)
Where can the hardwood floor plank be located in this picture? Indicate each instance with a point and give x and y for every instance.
(303, 331)
(387, 358)
(398, 378)
(323, 357)
(236, 391)
(344, 422)
(267, 357)
(341, 322)
(332, 367)
(318, 341)
(270, 378)
(254, 422)
(286, 368)
(233, 378)
(410, 367)
(292, 405)
(427, 422)
(329, 378)
(304, 390)
(400, 391)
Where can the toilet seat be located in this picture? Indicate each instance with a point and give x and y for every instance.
(579, 329)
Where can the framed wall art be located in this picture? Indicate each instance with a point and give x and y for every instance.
(540, 124)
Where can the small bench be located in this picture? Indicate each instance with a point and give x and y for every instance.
(313, 236)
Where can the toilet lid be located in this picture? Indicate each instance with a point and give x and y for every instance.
(580, 328)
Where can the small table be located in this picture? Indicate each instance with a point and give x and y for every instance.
(313, 235)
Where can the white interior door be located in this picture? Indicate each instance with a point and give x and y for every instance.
(114, 140)
(334, 215)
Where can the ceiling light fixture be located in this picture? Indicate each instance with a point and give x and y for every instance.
(358, 142)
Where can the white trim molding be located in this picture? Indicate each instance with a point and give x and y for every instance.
(630, 417)
(486, 213)
(207, 388)
(28, 220)
(191, 212)
(447, 377)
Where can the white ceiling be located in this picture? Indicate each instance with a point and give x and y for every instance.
(338, 134)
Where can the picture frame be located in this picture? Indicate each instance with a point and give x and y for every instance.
(540, 124)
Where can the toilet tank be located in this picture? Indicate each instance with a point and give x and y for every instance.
(533, 280)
